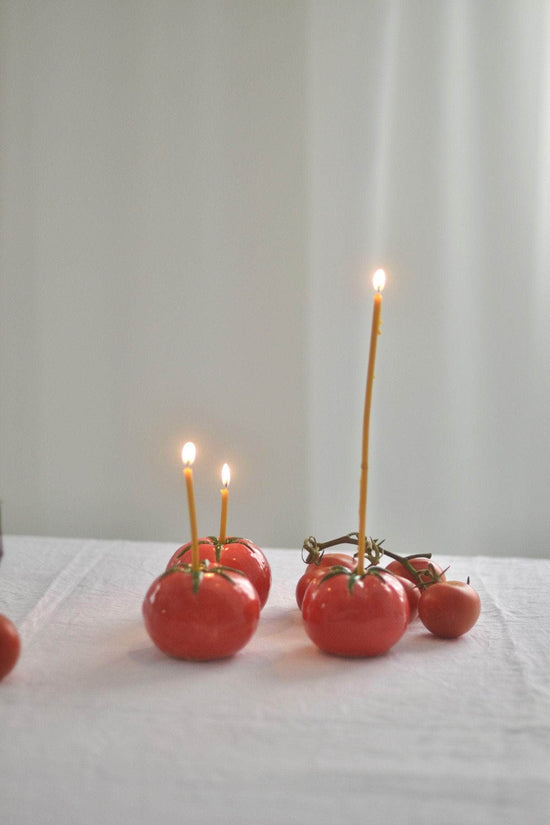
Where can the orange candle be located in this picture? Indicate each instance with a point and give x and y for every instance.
(378, 282)
(226, 477)
(188, 454)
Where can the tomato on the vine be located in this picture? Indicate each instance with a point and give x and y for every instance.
(317, 569)
(200, 616)
(449, 609)
(238, 553)
(10, 645)
(347, 614)
(431, 571)
(413, 595)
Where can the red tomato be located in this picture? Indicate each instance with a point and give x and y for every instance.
(211, 621)
(316, 569)
(418, 564)
(10, 645)
(240, 554)
(413, 595)
(449, 609)
(365, 620)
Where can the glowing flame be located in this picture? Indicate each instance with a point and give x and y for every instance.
(226, 475)
(188, 453)
(379, 280)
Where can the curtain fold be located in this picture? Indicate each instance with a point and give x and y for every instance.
(452, 185)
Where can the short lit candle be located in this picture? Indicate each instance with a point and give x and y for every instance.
(226, 477)
(188, 454)
(378, 282)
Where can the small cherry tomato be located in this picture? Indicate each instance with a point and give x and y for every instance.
(240, 554)
(316, 569)
(350, 615)
(200, 616)
(10, 645)
(449, 609)
(433, 571)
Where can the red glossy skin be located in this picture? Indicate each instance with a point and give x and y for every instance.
(418, 564)
(316, 570)
(212, 623)
(364, 622)
(240, 555)
(449, 609)
(413, 595)
(10, 646)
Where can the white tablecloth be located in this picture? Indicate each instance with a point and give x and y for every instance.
(97, 726)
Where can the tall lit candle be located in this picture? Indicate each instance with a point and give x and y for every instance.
(378, 282)
(226, 477)
(188, 454)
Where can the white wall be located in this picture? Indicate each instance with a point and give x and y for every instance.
(153, 266)
(194, 195)
(430, 155)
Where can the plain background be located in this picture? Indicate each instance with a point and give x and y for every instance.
(194, 196)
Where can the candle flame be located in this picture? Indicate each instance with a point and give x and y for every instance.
(188, 453)
(226, 475)
(379, 280)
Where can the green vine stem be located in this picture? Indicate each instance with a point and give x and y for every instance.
(204, 567)
(313, 551)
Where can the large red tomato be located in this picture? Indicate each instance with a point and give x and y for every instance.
(10, 645)
(449, 609)
(350, 615)
(430, 570)
(209, 615)
(316, 570)
(240, 554)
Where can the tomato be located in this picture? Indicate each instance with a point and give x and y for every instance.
(413, 596)
(10, 645)
(419, 563)
(240, 554)
(316, 569)
(449, 609)
(350, 615)
(210, 615)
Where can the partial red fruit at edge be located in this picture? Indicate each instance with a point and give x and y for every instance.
(10, 646)
(413, 596)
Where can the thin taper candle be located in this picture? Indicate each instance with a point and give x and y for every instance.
(378, 281)
(188, 456)
(225, 495)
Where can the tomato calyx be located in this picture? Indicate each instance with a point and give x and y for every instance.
(311, 553)
(219, 545)
(373, 550)
(204, 567)
(187, 547)
(353, 575)
(313, 550)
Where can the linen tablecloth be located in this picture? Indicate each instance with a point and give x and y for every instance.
(96, 725)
